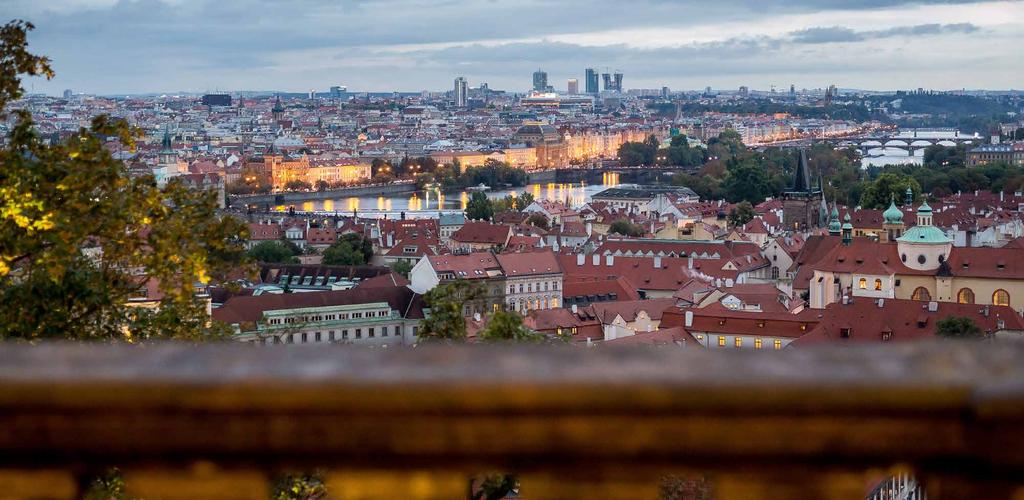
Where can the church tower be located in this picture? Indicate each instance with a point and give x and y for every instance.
(892, 222)
(800, 209)
(168, 165)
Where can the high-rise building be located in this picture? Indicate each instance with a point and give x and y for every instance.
(339, 92)
(592, 81)
(68, 94)
(573, 86)
(607, 79)
(744, 91)
(461, 94)
(540, 81)
(617, 79)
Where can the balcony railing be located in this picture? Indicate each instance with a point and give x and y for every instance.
(216, 421)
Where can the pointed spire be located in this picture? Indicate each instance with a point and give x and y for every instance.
(802, 177)
(166, 142)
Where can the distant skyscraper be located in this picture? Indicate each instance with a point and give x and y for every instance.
(461, 92)
(592, 81)
(339, 92)
(607, 79)
(573, 86)
(792, 91)
(707, 90)
(540, 81)
(617, 79)
(744, 91)
(68, 94)
(664, 92)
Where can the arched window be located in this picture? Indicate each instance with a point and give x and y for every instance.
(965, 296)
(921, 294)
(878, 285)
(863, 284)
(1001, 298)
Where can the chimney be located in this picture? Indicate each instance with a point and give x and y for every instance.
(391, 240)
(590, 228)
(597, 259)
(580, 259)
(609, 260)
(574, 308)
(846, 300)
(657, 262)
(881, 303)
(689, 319)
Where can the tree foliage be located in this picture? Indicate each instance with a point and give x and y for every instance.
(274, 252)
(351, 249)
(402, 267)
(626, 228)
(887, 187)
(79, 236)
(445, 321)
(741, 214)
(958, 327)
(507, 326)
(299, 486)
(479, 207)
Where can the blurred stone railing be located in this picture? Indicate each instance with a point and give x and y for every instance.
(217, 420)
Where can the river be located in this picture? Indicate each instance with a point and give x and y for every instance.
(430, 203)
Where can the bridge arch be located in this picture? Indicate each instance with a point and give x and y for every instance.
(948, 143)
(895, 142)
(871, 143)
(920, 142)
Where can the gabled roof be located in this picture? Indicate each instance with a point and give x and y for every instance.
(251, 308)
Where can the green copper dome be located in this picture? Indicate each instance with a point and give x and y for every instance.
(846, 221)
(833, 221)
(893, 215)
(924, 208)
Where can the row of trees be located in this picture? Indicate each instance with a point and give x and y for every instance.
(480, 207)
(678, 153)
(350, 249)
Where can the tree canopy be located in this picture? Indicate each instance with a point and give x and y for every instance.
(80, 237)
(350, 250)
(479, 207)
(274, 252)
(958, 327)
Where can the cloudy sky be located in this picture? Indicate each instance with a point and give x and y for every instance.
(131, 46)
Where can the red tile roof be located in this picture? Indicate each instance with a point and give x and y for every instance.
(862, 320)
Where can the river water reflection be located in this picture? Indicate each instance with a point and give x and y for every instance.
(430, 203)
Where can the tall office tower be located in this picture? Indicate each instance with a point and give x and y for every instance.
(573, 86)
(68, 94)
(339, 92)
(592, 81)
(540, 81)
(792, 91)
(707, 90)
(617, 78)
(664, 92)
(607, 79)
(461, 92)
(744, 91)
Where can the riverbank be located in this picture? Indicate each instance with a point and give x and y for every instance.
(289, 198)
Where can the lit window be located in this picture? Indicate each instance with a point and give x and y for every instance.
(878, 285)
(738, 341)
(757, 343)
(721, 341)
(863, 283)
(965, 296)
(778, 344)
(1001, 298)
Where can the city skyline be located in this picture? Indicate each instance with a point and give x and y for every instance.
(170, 46)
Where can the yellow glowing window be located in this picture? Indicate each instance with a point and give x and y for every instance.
(739, 342)
(863, 284)
(721, 341)
(778, 344)
(757, 343)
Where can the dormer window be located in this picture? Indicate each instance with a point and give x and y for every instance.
(845, 333)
